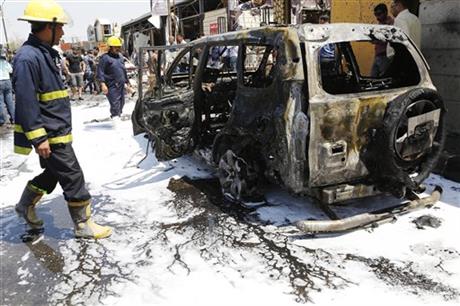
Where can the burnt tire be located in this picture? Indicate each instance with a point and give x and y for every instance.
(399, 158)
(239, 176)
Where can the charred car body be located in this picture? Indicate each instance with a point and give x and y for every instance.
(297, 106)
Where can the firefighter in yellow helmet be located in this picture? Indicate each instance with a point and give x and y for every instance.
(111, 73)
(114, 41)
(43, 121)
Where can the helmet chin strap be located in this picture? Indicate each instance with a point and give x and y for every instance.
(53, 28)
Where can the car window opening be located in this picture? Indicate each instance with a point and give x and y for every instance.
(345, 68)
(259, 66)
(218, 87)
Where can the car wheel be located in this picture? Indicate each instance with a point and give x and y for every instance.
(238, 176)
(406, 148)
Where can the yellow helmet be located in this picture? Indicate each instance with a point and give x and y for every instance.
(44, 11)
(114, 41)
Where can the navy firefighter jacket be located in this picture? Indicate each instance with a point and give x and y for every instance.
(111, 70)
(42, 101)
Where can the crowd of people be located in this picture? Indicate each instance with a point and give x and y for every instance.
(404, 20)
(79, 69)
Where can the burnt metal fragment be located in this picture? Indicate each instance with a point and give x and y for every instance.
(427, 221)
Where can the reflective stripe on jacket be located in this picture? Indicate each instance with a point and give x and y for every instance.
(42, 101)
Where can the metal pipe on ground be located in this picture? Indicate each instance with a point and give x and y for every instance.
(365, 219)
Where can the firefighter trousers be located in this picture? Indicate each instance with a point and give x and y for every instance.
(116, 96)
(62, 167)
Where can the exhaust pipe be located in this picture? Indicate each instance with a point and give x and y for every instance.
(362, 220)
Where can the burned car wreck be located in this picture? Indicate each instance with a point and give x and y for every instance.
(267, 104)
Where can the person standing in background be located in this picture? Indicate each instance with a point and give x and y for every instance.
(171, 53)
(6, 90)
(111, 73)
(96, 57)
(180, 39)
(407, 21)
(90, 72)
(75, 66)
(381, 61)
(183, 65)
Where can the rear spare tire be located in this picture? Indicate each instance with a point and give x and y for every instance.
(406, 148)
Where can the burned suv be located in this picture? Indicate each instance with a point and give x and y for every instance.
(298, 106)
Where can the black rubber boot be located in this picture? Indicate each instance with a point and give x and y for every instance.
(26, 207)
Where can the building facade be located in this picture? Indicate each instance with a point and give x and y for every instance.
(441, 47)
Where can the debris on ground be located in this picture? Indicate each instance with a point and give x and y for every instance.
(427, 220)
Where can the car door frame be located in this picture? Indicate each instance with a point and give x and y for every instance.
(171, 112)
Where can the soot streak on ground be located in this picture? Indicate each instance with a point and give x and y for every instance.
(306, 269)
